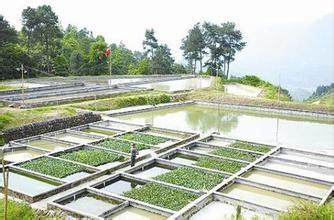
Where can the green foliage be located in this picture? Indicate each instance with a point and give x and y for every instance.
(6, 87)
(223, 42)
(322, 90)
(271, 91)
(121, 59)
(180, 69)
(5, 119)
(125, 101)
(150, 43)
(254, 147)
(191, 178)
(93, 157)
(121, 145)
(162, 196)
(309, 211)
(42, 28)
(226, 165)
(142, 67)
(162, 61)
(235, 154)
(17, 210)
(61, 65)
(324, 95)
(143, 138)
(7, 33)
(193, 46)
(52, 167)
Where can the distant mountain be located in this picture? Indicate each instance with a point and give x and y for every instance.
(303, 55)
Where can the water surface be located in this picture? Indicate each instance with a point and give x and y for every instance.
(48, 145)
(260, 196)
(21, 155)
(293, 131)
(28, 184)
(290, 183)
(135, 214)
(216, 210)
(92, 205)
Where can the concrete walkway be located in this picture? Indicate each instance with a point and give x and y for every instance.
(242, 90)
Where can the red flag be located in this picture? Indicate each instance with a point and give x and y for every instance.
(107, 52)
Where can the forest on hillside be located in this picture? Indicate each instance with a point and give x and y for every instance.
(45, 48)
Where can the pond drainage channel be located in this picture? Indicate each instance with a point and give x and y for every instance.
(212, 173)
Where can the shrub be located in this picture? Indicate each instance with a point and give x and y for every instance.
(226, 165)
(309, 211)
(93, 157)
(162, 196)
(191, 178)
(121, 145)
(236, 154)
(17, 210)
(5, 119)
(52, 167)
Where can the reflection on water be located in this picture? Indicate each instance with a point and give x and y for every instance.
(253, 126)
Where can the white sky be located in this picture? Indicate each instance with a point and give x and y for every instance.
(126, 20)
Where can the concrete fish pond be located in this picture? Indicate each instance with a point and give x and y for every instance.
(85, 172)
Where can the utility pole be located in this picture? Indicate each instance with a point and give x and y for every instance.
(110, 67)
(5, 183)
(22, 79)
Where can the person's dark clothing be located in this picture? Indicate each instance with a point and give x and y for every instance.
(134, 153)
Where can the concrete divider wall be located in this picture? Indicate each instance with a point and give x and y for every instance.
(49, 126)
(43, 88)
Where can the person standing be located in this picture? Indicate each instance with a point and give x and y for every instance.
(134, 152)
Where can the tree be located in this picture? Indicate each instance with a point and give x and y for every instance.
(162, 61)
(233, 43)
(150, 43)
(180, 69)
(12, 55)
(142, 67)
(42, 27)
(121, 59)
(215, 43)
(193, 46)
(97, 57)
(7, 33)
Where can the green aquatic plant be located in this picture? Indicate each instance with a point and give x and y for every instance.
(52, 167)
(121, 145)
(163, 196)
(248, 146)
(191, 178)
(236, 154)
(93, 157)
(223, 165)
(143, 138)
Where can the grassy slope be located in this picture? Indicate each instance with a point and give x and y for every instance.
(210, 94)
(6, 87)
(10, 117)
(326, 99)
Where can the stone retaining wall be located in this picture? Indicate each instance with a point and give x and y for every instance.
(49, 126)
